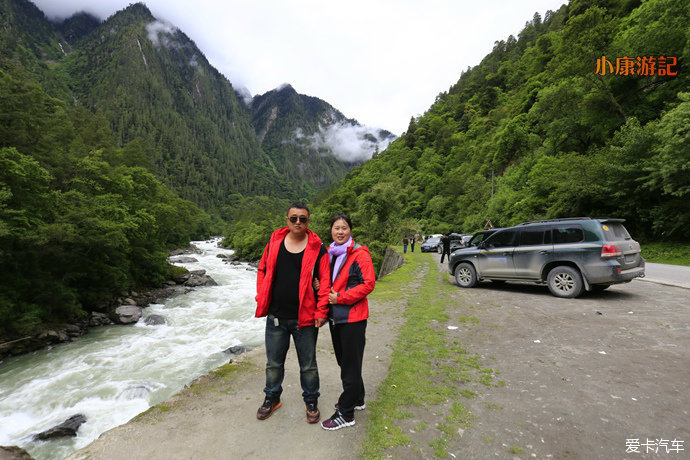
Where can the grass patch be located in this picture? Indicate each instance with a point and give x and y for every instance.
(428, 368)
(666, 253)
(516, 450)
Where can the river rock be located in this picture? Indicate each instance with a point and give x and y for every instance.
(137, 392)
(236, 350)
(67, 428)
(200, 280)
(99, 319)
(155, 320)
(181, 278)
(127, 314)
(183, 260)
(227, 257)
(14, 453)
(199, 272)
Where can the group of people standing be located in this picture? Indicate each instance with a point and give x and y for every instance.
(300, 286)
(411, 240)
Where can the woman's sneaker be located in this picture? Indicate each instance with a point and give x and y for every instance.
(267, 408)
(359, 406)
(337, 421)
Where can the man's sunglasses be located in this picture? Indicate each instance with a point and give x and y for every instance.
(302, 219)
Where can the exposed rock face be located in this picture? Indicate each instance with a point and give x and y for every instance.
(127, 314)
(67, 428)
(14, 453)
(155, 320)
(392, 260)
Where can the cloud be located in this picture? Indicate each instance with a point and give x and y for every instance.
(347, 142)
(159, 32)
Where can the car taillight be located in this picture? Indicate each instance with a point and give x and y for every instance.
(611, 250)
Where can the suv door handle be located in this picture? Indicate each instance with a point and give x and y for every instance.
(543, 252)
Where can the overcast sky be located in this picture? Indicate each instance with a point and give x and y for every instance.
(379, 61)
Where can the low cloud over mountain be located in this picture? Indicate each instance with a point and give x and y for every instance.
(348, 142)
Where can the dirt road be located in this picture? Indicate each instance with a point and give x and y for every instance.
(584, 377)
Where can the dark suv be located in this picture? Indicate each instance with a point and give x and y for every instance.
(569, 255)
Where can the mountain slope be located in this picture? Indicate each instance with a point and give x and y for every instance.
(308, 139)
(152, 82)
(535, 132)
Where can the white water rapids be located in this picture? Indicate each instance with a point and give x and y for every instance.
(116, 372)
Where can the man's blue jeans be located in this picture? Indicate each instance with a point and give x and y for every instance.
(277, 345)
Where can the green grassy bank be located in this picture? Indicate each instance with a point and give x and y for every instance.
(430, 371)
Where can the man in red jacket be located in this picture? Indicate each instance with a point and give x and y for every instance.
(284, 294)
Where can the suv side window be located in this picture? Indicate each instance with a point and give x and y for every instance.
(568, 234)
(502, 239)
(535, 235)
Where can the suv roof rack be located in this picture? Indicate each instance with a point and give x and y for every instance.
(546, 221)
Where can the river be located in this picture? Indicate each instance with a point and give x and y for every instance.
(116, 372)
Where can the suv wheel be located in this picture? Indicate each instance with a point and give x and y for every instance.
(565, 282)
(465, 275)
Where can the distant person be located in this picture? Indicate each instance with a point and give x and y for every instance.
(405, 242)
(353, 278)
(285, 296)
(445, 246)
(412, 242)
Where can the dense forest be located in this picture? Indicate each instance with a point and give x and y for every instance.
(537, 131)
(80, 219)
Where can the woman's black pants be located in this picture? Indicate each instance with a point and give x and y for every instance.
(348, 344)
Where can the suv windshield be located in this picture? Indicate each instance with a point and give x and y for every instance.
(479, 237)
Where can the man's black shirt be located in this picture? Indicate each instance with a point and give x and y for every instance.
(285, 294)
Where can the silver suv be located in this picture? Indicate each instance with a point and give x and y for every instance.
(569, 255)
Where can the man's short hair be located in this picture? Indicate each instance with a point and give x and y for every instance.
(298, 205)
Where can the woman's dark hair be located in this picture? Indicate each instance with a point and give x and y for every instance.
(344, 217)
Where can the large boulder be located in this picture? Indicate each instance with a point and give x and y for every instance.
(183, 260)
(127, 314)
(14, 453)
(67, 428)
(200, 280)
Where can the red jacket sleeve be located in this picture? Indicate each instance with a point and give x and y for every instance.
(357, 293)
(324, 270)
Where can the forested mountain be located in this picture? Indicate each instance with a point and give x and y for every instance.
(585, 113)
(308, 139)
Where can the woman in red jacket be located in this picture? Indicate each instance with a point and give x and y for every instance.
(352, 276)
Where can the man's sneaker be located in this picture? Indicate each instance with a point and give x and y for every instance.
(313, 413)
(359, 406)
(337, 421)
(267, 408)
